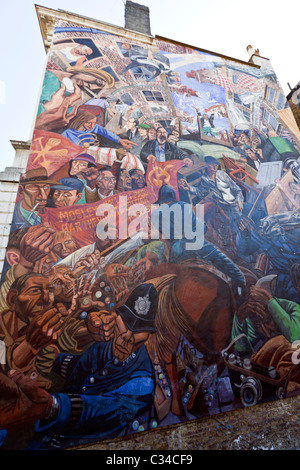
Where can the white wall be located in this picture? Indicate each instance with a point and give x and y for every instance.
(9, 183)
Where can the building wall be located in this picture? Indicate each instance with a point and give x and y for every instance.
(9, 183)
(205, 298)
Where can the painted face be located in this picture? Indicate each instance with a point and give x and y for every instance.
(152, 133)
(64, 247)
(82, 50)
(77, 166)
(251, 154)
(106, 182)
(161, 135)
(125, 180)
(33, 194)
(138, 179)
(131, 124)
(62, 281)
(36, 296)
(65, 198)
(173, 139)
(89, 125)
(212, 168)
(88, 81)
(143, 132)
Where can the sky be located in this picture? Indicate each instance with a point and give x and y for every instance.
(222, 27)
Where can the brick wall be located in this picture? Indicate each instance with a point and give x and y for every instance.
(137, 18)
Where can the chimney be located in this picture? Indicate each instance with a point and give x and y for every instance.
(137, 18)
(250, 50)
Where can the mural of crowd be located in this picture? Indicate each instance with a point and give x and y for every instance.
(106, 336)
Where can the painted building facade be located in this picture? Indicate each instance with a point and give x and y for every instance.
(152, 267)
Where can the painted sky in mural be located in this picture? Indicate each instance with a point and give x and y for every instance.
(112, 320)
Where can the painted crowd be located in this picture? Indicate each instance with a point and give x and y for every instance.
(105, 331)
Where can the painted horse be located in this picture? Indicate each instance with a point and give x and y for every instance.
(194, 303)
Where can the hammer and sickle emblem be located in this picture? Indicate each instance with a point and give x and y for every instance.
(44, 154)
(159, 176)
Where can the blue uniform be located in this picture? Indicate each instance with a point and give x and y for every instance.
(283, 251)
(101, 394)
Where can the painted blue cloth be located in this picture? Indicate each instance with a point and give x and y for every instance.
(3, 434)
(284, 288)
(283, 251)
(112, 393)
(80, 137)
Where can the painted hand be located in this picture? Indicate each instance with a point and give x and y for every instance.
(22, 401)
(101, 325)
(127, 144)
(36, 243)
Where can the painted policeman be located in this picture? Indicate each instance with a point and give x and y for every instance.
(112, 382)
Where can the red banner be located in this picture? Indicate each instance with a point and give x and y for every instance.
(81, 220)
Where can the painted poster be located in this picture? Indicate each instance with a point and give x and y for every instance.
(152, 270)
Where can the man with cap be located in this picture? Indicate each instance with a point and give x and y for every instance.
(34, 190)
(83, 168)
(67, 193)
(112, 382)
(223, 190)
(219, 184)
(81, 163)
(75, 167)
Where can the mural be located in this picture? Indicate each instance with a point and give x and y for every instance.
(152, 271)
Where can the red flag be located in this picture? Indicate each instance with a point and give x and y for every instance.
(51, 151)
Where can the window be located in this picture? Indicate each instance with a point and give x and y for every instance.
(155, 96)
(270, 119)
(127, 99)
(142, 74)
(237, 98)
(270, 94)
(247, 116)
(273, 122)
(281, 101)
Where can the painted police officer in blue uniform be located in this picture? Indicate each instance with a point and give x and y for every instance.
(112, 382)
